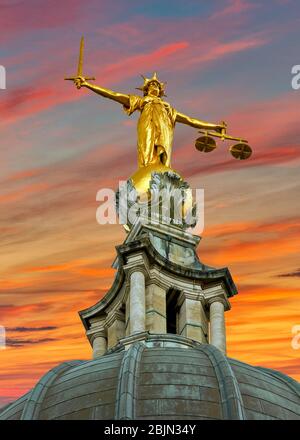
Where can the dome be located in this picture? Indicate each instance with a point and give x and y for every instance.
(164, 377)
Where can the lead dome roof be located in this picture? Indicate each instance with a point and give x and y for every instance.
(166, 377)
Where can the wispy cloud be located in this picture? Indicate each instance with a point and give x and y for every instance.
(12, 342)
(296, 274)
(30, 329)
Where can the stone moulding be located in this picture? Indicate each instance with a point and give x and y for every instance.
(126, 397)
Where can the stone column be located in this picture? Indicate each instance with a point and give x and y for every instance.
(99, 344)
(137, 302)
(217, 325)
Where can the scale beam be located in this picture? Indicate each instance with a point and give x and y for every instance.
(223, 136)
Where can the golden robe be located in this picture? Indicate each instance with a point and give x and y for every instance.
(155, 129)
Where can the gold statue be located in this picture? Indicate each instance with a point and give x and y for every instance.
(156, 122)
(155, 125)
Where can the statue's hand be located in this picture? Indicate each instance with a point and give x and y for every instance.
(79, 82)
(222, 127)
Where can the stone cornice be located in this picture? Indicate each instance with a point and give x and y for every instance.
(137, 262)
(101, 305)
(141, 255)
(188, 295)
(208, 276)
(116, 315)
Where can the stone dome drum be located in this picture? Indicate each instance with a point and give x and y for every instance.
(163, 377)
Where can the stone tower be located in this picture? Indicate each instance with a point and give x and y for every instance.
(159, 343)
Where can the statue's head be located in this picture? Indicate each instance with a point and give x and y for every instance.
(152, 86)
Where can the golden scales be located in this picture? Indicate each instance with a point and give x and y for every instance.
(207, 143)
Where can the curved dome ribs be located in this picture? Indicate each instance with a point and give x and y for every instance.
(33, 404)
(163, 377)
(267, 394)
(126, 398)
(291, 383)
(13, 410)
(231, 398)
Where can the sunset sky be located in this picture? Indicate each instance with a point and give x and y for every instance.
(222, 60)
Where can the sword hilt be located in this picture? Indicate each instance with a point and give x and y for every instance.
(75, 77)
(72, 78)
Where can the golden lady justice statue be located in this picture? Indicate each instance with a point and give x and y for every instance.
(156, 126)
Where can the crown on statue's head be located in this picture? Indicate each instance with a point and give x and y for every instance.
(147, 81)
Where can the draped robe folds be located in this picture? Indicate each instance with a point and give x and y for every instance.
(155, 129)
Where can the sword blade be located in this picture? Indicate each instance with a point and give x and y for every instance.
(80, 59)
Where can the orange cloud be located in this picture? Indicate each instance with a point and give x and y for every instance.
(26, 191)
(285, 224)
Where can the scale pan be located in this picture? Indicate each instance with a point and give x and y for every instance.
(241, 151)
(205, 144)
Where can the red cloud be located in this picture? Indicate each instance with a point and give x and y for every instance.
(19, 17)
(148, 61)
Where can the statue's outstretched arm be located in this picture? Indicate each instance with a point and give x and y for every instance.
(197, 123)
(107, 93)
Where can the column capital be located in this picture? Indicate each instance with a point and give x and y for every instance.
(218, 298)
(94, 334)
(189, 295)
(134, 269)
(137, 262)
(214, 293)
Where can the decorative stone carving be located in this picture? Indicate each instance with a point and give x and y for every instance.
(169, 200)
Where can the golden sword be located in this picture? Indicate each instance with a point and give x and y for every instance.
(80, 64)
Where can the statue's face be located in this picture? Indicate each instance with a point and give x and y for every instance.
(153, 89)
